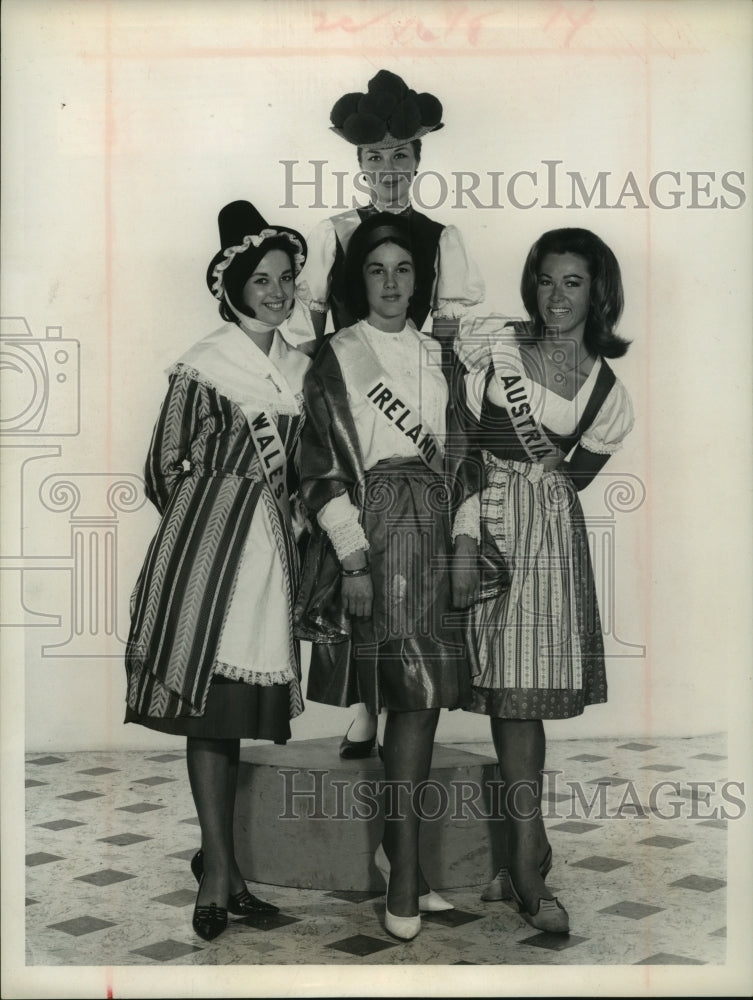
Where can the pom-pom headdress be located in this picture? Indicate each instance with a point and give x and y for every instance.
(389, 114)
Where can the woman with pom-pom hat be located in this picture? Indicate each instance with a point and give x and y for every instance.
(386, 124)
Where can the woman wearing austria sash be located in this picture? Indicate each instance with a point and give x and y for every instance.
(375, 592)
(387, 125)
(537, 393)
(211, 654)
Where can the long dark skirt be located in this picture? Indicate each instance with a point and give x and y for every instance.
(234, 710)
(410, 654)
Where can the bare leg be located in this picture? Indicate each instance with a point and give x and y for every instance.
(211, 765)
(521, 752)
(408, 746)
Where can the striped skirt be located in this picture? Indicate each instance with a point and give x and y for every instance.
(537, 650)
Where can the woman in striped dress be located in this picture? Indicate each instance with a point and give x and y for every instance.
(548, 412)
(211, 654)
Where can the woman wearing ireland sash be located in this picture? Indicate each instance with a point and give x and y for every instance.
(375, 591)
(548, 412)
(387, 125)
(211, 654)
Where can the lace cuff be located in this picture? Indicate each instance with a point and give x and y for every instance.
(340, 519)
(313, 283)
(468, 519)
(305, 297)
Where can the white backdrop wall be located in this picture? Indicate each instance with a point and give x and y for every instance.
(127, 126)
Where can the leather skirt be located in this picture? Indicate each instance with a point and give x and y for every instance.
(410, 654)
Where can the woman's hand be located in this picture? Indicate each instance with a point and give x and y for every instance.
(465, 572)
(358, 595)
(357, 591)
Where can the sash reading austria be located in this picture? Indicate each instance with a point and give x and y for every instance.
(509, 374)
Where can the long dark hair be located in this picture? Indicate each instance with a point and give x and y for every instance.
(607, 298)
(374, 231)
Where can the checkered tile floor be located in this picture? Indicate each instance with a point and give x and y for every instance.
(640, 864)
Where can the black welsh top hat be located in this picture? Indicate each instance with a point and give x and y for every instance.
(388, 115)
(243, 230)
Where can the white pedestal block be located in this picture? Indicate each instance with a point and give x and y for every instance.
(306, 818)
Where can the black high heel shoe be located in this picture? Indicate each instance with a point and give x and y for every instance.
(209, 921)
(245, 904)
(240, 904)
(356, 749)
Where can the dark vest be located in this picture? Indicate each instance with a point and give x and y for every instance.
(425, 235)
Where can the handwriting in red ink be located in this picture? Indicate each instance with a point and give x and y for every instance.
(321, 23)
(454, 22)
(576, 20)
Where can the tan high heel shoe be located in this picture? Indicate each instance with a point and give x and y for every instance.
(499, 887)
(550, 914)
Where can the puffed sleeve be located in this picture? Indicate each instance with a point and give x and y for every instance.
(171, 439)
(313, 283)
(298, 328)
(459, 284)
(612, 424)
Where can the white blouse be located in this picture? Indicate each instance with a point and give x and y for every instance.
(411, 361)
(482, 340)
(457, 287)
(610, 427)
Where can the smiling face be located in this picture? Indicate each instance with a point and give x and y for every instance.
(563, 293)
(389, 279)
(390, 173)
(268, 293)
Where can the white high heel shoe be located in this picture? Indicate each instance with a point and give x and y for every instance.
(405, 928)
(430, 902)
